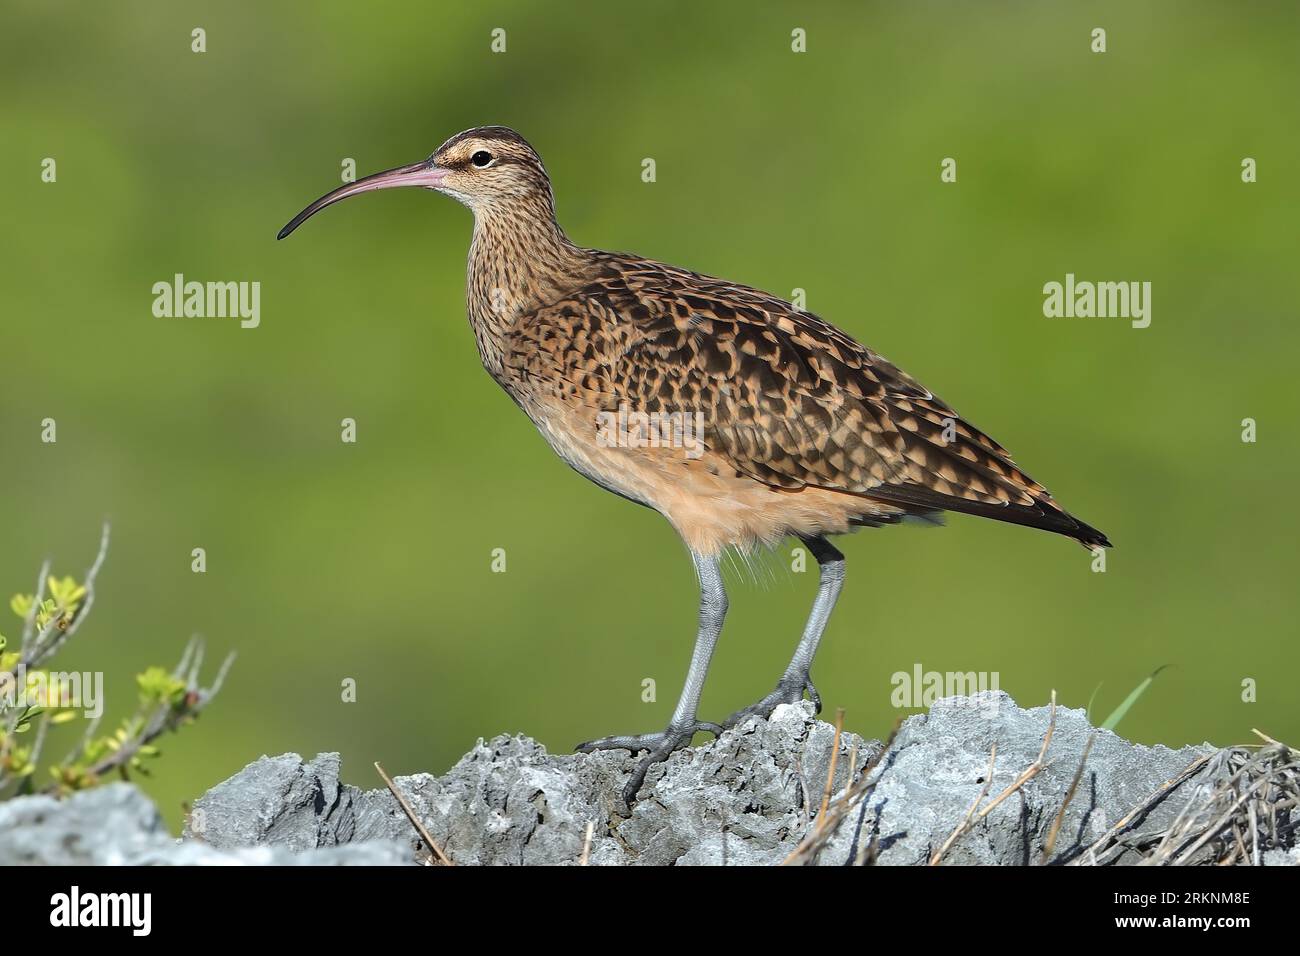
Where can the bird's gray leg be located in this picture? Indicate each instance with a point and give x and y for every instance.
(683, 726)
(796, 679)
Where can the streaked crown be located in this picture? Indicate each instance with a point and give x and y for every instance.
(491, 163)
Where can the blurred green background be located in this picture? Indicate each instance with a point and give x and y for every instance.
(818, 171)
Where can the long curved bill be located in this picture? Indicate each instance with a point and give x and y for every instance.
(416, 174)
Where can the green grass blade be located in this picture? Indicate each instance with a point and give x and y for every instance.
(1119, 712)
(1087, 711)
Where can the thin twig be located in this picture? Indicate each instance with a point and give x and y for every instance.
(813, 843)
(33, 650)
(965, 824)
(1254, 835)
(1050, 844)
(1105, 842)
(29, 621)
(40, 650)
(830, 769)
(91, 727)
(443, 858)
(1219, 823)
(1033, 770)
(164, 717)
(38, 745)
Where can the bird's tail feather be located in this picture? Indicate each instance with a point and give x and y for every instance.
(1045, 515)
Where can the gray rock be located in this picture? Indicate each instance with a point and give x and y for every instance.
(278, 801)
(740, 800)
(112, 825)
(939, 761)
(746, 798)
(117, 825)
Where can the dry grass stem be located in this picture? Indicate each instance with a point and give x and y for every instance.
(434, 849)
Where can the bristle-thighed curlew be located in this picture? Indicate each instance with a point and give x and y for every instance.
(751, 420)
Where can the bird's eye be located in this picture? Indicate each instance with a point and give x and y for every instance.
(481, 158)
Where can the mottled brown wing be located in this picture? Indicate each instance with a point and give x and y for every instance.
(793, 402)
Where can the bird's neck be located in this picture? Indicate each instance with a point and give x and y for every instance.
(519, 261)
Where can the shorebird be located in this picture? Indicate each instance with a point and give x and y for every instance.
(804, 432)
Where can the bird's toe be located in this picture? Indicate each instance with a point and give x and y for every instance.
(659, 745)
(676, 736)
(815, 697)
(788, 691)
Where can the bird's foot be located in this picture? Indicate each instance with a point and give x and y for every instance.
(789, 690)
(659, 745)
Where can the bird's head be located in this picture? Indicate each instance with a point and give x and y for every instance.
(488, 168)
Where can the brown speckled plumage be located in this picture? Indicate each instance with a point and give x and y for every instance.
(802, 431)
(799, 417)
